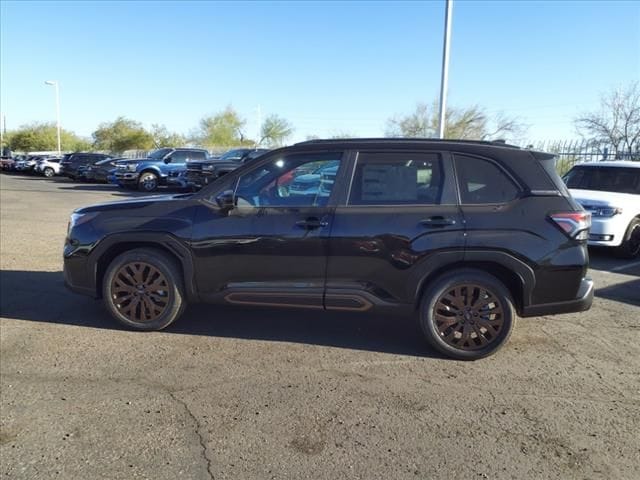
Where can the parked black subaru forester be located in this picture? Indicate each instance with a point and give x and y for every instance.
(462, 234)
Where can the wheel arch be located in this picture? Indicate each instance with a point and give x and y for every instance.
(151, 169)
(116, 244)
(516, 276)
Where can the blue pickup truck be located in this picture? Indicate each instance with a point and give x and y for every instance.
(161, 167)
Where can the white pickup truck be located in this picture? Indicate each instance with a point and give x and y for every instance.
(611, 192)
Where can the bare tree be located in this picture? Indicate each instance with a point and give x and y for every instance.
(617, 122)
(470, 123)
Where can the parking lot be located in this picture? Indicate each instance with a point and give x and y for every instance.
(260, 393)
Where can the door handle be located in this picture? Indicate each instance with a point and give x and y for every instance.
(438, 221)
(311, 223)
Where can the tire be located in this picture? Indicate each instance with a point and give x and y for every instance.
(147, 182)
(447, 314)
(48, 172)
(142, 289)
(630, 247)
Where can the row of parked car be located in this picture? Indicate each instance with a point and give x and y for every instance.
(189, 168)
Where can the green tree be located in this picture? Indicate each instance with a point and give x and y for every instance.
(470, 123)
(39, 136)
(122, 134)
(224, 129)
(162, 137)
(275, 131)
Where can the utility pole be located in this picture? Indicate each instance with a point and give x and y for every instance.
(259, 114)
(55, 84)
(445, 67)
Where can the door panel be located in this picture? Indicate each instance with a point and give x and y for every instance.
(272, 247)
(401, 221)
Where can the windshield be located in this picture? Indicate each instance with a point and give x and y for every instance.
(160, 153)
(607, 179)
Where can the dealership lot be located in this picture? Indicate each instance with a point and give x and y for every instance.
(239, 393)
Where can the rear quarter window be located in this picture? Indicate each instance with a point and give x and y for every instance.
(483, 182)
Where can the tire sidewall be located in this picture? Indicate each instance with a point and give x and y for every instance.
(141, 183)
(48, 172)
(169, 270)
(625, 249)
(446, 282)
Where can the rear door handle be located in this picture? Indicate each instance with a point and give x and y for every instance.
(438, 221)
(311, 223)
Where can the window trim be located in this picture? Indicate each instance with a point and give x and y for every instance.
(520, 189)
(444, 158)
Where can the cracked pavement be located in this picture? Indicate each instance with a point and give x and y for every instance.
(265, 393)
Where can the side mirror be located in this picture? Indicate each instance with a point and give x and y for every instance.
(226, 200)
(167, 160)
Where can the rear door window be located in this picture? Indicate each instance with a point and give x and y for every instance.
(195, 156)
(179, 156)
(397, 178)
(483, 182)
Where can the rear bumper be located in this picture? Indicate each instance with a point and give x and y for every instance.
(582, 302)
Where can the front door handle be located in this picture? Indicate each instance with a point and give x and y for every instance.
(438, 221)
(311, 223)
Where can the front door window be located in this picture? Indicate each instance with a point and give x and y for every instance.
(301, 180)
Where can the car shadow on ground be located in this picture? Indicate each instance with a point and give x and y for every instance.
(42, 297)
(626, 292)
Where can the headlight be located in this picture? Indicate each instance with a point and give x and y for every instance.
(208, 167)
(132, 167)
(605, 211)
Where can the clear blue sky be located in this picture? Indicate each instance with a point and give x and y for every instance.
(325, 66)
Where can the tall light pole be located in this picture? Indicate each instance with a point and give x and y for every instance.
(55, 84)
(445, 67)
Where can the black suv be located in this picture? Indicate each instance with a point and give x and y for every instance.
(73, 165)
(462, 234)
(200, 174)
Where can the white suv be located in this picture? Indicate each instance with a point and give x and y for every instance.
(48, 167)
(611, 192)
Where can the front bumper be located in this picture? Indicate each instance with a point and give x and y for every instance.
(126, 177)
(582, 302)
(607, 231)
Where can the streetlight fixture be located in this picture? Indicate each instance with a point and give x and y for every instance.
(55, 84)
(445, 67)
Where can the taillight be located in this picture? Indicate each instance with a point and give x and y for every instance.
(575, 224)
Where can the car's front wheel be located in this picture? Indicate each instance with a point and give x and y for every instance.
(48, 172)
(148, 182)
(467, 314)
(630, 247)
(142, 289)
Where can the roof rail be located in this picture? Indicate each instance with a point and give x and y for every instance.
(499, 142)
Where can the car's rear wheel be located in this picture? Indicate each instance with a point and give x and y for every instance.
(630, 247)
(148, 182)
(467, 314)
(48, 172)
(142, 289)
